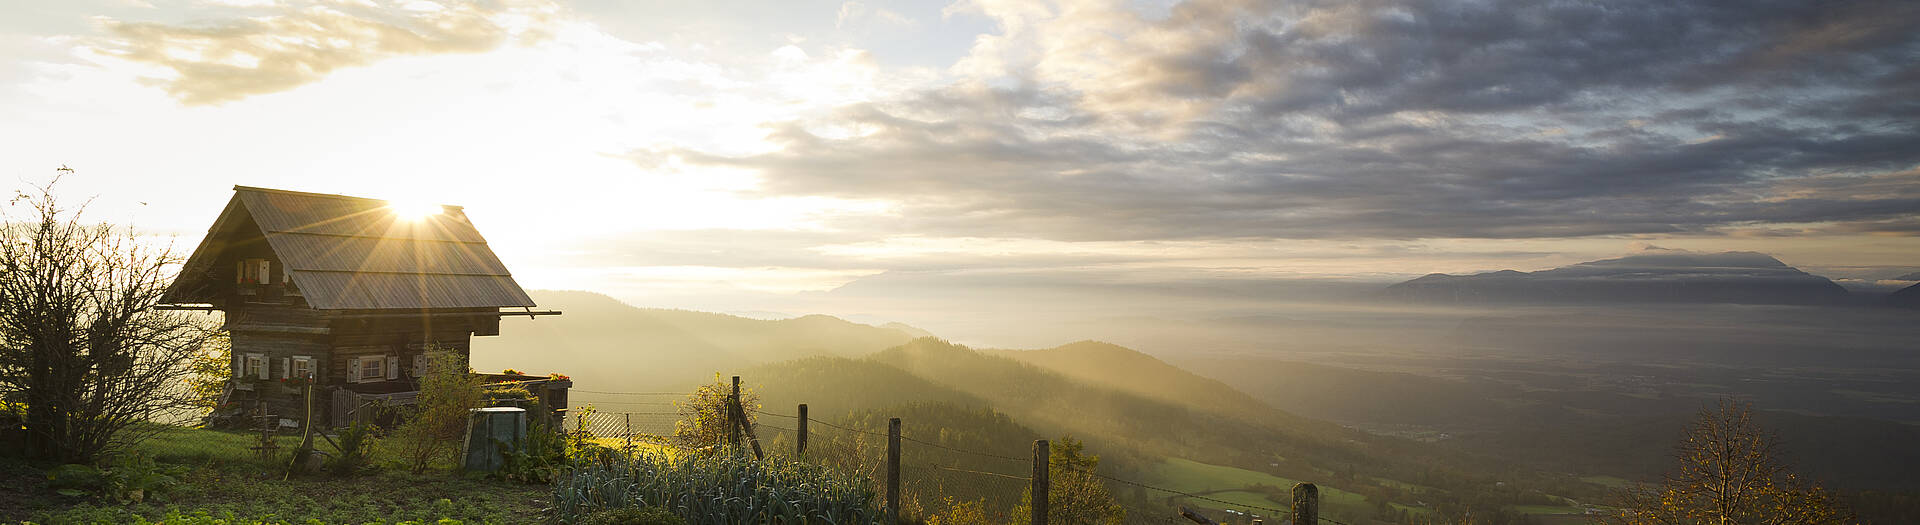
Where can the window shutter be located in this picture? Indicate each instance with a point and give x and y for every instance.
(286, 368)
(353, 370)
(266, 271)
(393, 367)
(420, 365)
(240, 272)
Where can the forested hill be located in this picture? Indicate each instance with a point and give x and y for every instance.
(1148, 419)
(1138, 430)
(605, 344)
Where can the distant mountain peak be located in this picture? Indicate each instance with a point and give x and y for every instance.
(1691, 260)
(1658, 277)
(1908, 297)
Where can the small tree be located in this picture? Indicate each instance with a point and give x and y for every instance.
(1729, 473)
(209, 371)
(1074, 494)
(80, 343)
(704, 414)
(434, 430)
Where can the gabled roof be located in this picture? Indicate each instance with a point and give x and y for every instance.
(352, 253)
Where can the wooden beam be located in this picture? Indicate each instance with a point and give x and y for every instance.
(445, 314)
(279, 329)
(187, 307)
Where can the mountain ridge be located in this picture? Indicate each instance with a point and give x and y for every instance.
(1687, 277)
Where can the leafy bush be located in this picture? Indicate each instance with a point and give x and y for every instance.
(353, 450)
(434, 430)
(717, 489)
(704, 414)
(632, 516)
(542, 457)
(132, 478)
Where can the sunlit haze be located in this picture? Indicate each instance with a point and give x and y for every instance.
(1126, 262)
(738, 157)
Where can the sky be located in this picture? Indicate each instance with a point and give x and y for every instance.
(735, 156)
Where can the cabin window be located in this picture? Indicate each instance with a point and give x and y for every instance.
(254, 271)
(254, 365)
(303, 367)
(370, 368)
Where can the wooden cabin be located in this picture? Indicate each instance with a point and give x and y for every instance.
(348, 293)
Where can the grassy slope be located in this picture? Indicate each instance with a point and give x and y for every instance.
(1196, 477)
(1121, 368)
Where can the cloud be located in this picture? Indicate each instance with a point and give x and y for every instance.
(275, 47)
(1386, 119)
(853, 14)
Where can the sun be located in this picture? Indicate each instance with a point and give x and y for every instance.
(413, 211)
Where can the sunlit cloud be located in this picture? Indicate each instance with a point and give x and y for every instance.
(281, 46)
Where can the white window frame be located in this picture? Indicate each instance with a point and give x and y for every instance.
(378, 366)
(254, 271)
(254, 365)
(302, 368)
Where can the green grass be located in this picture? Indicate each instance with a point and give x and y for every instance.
(228, 481)
(1607, 481)
(1547, 509)
(1413, 510)
(1193, 477)
(192, 446)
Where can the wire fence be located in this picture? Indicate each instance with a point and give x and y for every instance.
(961, 475)
(941, 472)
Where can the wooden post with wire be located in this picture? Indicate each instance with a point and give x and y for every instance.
(893, 471)
(1041, 454)
(1306, 504)
(733, 422)
(800, 441)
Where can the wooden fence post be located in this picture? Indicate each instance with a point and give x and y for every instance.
(800, 442)
(752, 439)
(1306, 504)
(893, 471)
(1041, 454)
(733, 424)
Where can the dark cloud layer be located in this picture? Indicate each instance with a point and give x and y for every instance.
(1401, 119)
